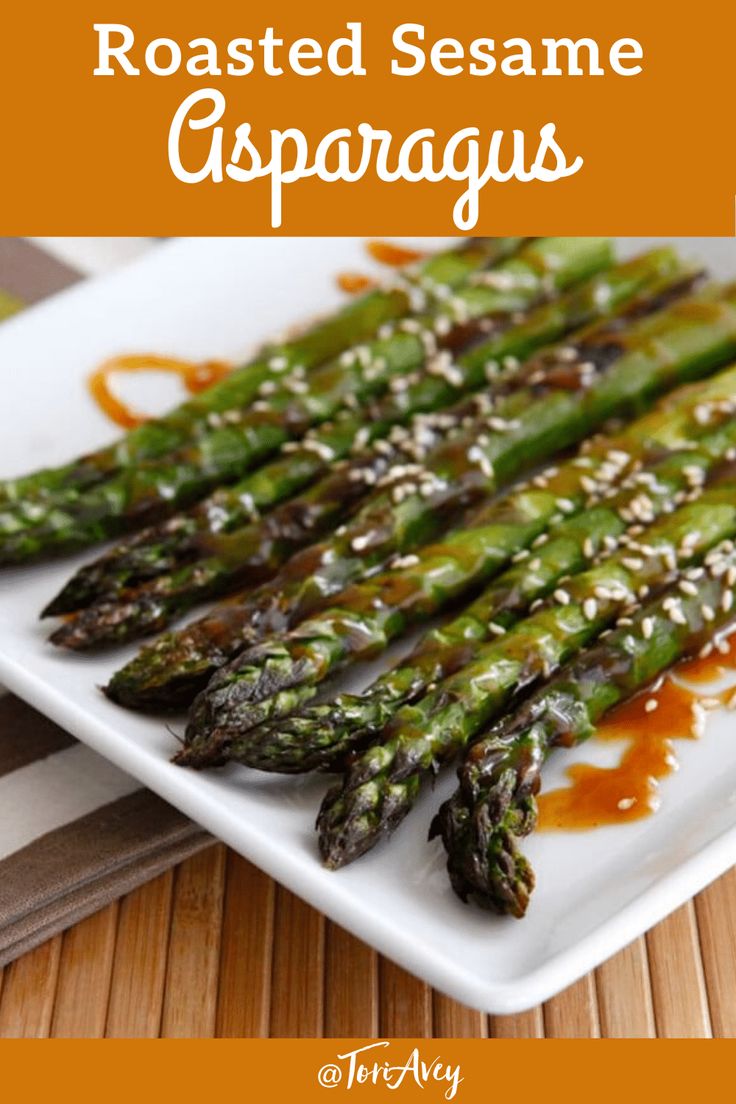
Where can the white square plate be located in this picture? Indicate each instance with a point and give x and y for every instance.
(596, 890)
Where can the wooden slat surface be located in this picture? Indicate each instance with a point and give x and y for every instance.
(678, 985)
(216, 948)
(85, 973)
(297, 988)
(624, 993)
(190, 998)
(351, 986)
(244, 995)
(139, 966)
(27, 992)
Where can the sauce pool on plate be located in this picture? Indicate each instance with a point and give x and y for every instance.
(674, 709)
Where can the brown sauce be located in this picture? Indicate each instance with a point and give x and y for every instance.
(710, 668)
(393, 255)
(354, 282)
(598, 796)
(195, 377)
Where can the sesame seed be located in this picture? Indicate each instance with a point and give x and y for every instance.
(626, 803)
(699, 719)
(650, 705)
(647, 628)
(590, 608)
(405, 561)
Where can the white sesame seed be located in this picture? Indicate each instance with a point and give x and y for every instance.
(590, 608)
(405, 561)
(699, 719)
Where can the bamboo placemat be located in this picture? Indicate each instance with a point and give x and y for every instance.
(215, 948)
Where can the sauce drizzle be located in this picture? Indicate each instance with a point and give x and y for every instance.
(355, 282)
(386, 253)
(674, 709)
(195, 377)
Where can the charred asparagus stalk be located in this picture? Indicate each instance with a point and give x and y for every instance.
(243, 438)
(368, 615)
(674, 346)
(243, 556)
(356, 322)
(627, 290)
(379, 789)
(494, 805)
(319, 736)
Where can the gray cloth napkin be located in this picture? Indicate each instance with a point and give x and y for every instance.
(75, 832)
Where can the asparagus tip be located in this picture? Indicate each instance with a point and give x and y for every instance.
(201, 753)
(484, 862)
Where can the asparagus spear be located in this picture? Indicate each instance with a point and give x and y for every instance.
(251, 553)
(320, 736)
(625, 291)
(380, 787)
(368, 615)
(494, 804)
(168, 673)
(679, 344)
(355, 322)
(240, 439)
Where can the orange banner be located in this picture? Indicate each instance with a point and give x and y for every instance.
(430, 1070)
(169, 118)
